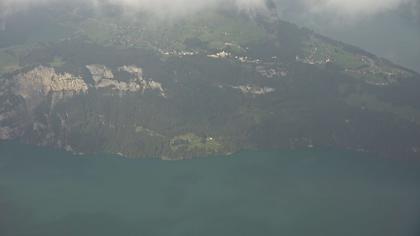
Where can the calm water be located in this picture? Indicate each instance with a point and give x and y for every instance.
(44, 192)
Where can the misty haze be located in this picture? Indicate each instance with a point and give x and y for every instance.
(211, 117)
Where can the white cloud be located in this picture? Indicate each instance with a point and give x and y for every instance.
(176, 7)
(353, 7)
(343, 8)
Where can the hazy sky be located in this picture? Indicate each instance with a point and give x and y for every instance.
(342, 8)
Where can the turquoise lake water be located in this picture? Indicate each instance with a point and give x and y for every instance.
(45, 192)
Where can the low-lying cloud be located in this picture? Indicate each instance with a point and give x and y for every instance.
(342, 8)
(174, 7)
(354, 7)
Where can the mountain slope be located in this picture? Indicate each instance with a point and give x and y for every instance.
(214, 82)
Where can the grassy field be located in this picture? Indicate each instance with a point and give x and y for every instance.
(192, 142)
(321, 51)
(214, 29)
(57, 62)
(8, 62)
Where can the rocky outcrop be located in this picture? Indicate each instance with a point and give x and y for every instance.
(35, 85)
(104, 78)
(43, 80)
(135, 71)
(100, 72)
(24, 92)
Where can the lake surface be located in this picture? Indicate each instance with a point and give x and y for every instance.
(312, 192)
